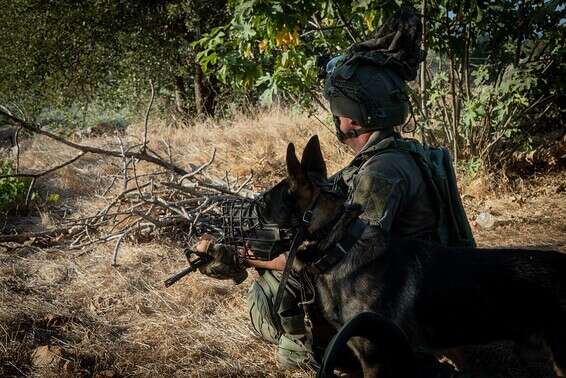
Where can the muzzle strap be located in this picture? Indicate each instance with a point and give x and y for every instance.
(244, 229)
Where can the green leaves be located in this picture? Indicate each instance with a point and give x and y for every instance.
(102, 53)
(13, 190)
(210, 43)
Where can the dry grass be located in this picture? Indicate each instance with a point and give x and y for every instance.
(122, 321)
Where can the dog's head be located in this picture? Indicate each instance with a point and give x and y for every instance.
(305, 189)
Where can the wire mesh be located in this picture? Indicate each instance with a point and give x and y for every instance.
(253, 237)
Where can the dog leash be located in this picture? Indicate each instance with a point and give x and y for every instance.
(297, 240)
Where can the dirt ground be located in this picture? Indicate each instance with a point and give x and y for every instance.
(70, 313)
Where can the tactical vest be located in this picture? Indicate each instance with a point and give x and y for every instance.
(435, 164)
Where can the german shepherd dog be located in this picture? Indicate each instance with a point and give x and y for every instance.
(441, 298)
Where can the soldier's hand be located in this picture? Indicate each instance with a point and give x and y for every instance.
(226, 264)
(204, 243)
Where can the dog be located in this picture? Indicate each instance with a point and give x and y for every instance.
(441, 298)
(401, 360)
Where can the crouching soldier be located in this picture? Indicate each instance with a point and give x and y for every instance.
(395, 180)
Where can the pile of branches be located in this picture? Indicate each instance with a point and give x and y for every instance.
(169, 202)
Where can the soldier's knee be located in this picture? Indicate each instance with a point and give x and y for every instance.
(289, 318)
(293, 352)
(285, 327)
(260, 308)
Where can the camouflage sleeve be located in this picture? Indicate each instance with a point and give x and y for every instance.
(380, 194)
(338, 183)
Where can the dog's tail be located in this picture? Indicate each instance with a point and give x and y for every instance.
(401, 360)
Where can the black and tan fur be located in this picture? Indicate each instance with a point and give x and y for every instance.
(442, 298)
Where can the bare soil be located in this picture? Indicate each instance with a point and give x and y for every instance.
(531, 215)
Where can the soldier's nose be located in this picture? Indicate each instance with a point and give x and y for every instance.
(346, 124)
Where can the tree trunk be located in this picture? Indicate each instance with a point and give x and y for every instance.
(455, 105)
(423, 72)
(466, 63)
(205, 94)
(454, 98)
(200, 90)
(520, 32)
(180, 95)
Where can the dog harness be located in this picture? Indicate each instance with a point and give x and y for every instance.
(337, 251)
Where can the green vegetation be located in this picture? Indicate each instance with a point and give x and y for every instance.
(13, 190)
(494, 73)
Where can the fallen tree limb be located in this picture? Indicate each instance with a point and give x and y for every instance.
(25, 236)
(169, 202)
(549, 156)
(95, 150)
(144, 147)
(50, 170)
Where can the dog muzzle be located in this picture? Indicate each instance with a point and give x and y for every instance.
(247, 231)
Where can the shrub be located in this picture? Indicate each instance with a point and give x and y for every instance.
(13, 190)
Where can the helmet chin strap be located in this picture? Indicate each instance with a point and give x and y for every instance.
(342, 136)
(354, 133)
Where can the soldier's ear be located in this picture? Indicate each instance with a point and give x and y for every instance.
(295, 173)
(312, 160)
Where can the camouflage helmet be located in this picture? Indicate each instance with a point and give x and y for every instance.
(373, 95)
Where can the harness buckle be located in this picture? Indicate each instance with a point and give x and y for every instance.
(307, 217)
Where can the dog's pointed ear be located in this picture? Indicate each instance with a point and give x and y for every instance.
(312, 160)
(296, 174)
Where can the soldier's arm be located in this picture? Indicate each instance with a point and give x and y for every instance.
(277, 263)
(381, 191)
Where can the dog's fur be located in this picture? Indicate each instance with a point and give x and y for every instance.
(442, 298)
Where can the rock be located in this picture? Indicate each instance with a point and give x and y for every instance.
(46, 356)
(52, 274)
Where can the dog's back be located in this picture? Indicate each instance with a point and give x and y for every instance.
(474, 296)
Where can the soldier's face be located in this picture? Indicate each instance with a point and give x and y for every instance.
(347, 125)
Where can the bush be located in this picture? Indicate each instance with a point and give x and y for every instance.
(13, 190)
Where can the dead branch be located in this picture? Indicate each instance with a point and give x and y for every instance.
(344, 22)
(17, 144)
(167, 203)
(125, 163)
(50, 170)
(117, 247)
(199, 169)
(95, 150)
(246, 182)
(30, 189)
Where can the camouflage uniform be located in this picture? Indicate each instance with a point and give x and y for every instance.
(391, 189)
